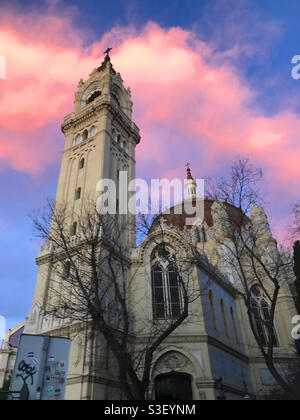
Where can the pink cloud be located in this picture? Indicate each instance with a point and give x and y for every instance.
(185, 90)
(190, 104)
(45, 60)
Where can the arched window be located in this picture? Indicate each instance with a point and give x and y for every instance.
(81, 163)
(261, 315)
(166, 290)
(114, 96)
(203, 234)
(236, 334)
(78, 194)
(93, 131)
(213, 310)
(227, 261)
(124, 145)
(74, 229)
(66, 270)
(78, 139)
(93, 96)
(85, 135)
(200, 234)
(225, 320)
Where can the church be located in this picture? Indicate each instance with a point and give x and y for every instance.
(212, 354)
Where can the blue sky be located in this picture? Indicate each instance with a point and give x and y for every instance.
(267, 33)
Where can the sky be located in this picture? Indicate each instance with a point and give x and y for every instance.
(210, 80)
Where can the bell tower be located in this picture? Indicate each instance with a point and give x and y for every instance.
(100, 137)
(100, 141)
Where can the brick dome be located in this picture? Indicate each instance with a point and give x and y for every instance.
(179, 220)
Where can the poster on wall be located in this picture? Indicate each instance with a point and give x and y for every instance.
(42, 366)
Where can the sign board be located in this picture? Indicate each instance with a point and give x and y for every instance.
(42, 364)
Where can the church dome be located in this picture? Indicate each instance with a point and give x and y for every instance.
(179, 220)
(177, 216)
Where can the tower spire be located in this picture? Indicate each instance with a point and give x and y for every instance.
(188, 171)
(190, 183)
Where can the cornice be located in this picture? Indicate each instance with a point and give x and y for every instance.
(104, 104)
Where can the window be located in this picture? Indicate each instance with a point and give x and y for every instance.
(78, 194)
(200, 234)
(74, 229)
(81, 163)
(236, 334)
(261, 314)
(224, 315)
(93, 131)
(115, 135)
(213, 310)
(114, 96)
(66, 270)
(78, 139)
(228, 262)
(166, 290)
(124, 146)
(93, 96)
(85, 135)
(203, 234)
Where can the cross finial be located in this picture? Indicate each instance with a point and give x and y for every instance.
(162, 222)
(107, 52)
(188, 170)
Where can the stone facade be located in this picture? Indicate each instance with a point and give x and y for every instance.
(8, 353)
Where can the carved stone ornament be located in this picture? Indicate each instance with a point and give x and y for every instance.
(173, 361)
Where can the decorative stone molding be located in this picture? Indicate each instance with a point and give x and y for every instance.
(173, 361)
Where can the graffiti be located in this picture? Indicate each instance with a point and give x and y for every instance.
(296, 330)
(27, 370)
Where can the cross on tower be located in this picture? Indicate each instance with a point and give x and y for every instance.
(162, 222)
(107, 51)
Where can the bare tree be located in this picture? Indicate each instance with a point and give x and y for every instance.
(93, 285)
(293, 377)
(294, 228)
(251, 252)
(241, 189)
(296, 249)
(294, 240)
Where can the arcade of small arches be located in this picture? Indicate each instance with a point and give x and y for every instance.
(88, 133)
(119, 139)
